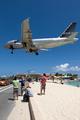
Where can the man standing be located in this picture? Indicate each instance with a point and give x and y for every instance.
(15, 89)
(43, 83)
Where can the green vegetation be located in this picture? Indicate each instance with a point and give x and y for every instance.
(11, 77)
(38, 76)
(57, 74)
(75, 75)
(69, 74)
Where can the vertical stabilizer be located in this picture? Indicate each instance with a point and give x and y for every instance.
(69, 31)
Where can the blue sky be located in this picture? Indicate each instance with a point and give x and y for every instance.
(48, 19)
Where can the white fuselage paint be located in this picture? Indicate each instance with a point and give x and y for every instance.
(45, 43)
(52, 42)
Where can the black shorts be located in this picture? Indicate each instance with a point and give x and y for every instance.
(15, 91)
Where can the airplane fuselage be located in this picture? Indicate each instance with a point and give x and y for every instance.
(52, 42)
(45, 43)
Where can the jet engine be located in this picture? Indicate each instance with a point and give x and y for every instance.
(17, 45)
(30, 51)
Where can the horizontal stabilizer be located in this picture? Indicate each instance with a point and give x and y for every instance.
(72, 36)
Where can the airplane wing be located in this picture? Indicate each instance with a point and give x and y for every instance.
(26, 33)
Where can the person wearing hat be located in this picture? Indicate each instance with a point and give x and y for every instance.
(28, 93)
(27, 86)
(22, 85)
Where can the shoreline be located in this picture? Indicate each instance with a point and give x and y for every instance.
(68, 82)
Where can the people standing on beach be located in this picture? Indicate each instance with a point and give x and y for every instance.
(36, 79)
(28, 93)
(22, 85)
(61, 81)
(43, 84)
(15, 89)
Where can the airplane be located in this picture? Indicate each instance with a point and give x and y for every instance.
(33, 45)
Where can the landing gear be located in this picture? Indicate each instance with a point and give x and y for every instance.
(11, 47)
(31, 50)
(37, 53)
(25, 44)
(12, 51)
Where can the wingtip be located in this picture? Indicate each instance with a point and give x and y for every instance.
(28, 18)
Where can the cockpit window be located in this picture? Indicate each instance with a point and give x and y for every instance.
(14, 41)
(11, 41)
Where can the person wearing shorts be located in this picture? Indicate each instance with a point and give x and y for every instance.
(43, 84)
(15, 89)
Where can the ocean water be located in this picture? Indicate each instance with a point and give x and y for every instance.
(73, 83)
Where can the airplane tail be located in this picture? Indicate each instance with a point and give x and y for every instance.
(69, 31)
(72, 36)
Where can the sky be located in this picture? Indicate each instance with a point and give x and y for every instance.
(48, 19)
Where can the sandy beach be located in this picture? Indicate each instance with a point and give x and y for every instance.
(61, 102)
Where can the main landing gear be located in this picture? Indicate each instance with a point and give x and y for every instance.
(37, 53)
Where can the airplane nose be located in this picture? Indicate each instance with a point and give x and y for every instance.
(5, 46)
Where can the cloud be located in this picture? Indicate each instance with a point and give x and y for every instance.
(65, 68)
(74, 68)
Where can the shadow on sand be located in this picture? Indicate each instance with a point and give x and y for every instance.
(10, 99)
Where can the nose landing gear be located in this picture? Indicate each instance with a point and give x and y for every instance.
(12, 51)
(11, 47)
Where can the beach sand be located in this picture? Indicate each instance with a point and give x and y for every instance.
(61, 102)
